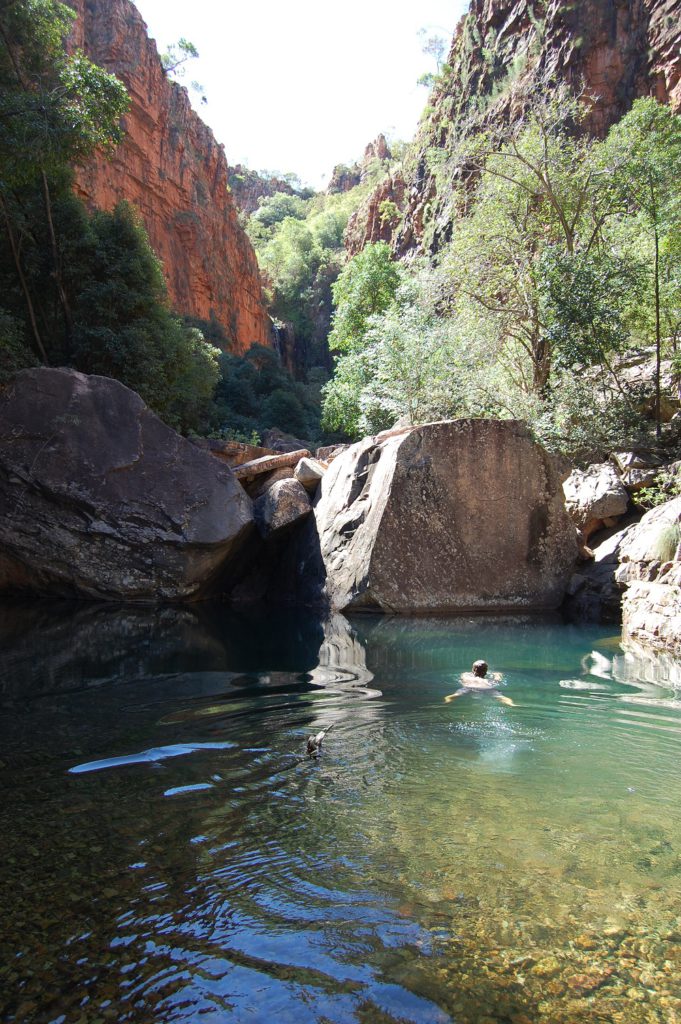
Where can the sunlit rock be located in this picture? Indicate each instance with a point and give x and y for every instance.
(463, 515)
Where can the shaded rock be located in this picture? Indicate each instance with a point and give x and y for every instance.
(636, 469)
(269, 463)
(593, 496)
(464, 515)
(330, 451)
(259, 484)
(309, 472)
(101, 499)
(594, 595)
(285, 503)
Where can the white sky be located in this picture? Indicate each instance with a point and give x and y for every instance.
(304, 85)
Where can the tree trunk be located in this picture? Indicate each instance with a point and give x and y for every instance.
(658, 341)
(56, 262)
(23, 282)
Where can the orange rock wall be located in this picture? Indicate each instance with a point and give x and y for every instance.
(503, 52)
(172, 169)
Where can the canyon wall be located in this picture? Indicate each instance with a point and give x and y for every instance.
(504, 52)
(172, 169)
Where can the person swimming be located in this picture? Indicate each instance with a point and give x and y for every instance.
(477, 681)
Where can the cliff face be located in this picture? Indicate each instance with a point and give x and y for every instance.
(171, 168)
(503, 51)
(248, 188)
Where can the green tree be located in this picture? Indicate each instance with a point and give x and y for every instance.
(541, 197)
(643, 166)
(366, 286)
(56, 108)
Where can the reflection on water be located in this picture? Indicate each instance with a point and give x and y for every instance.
(170, 853)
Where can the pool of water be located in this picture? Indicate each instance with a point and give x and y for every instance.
(170, 853)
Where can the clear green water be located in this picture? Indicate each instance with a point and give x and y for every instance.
(169, 853)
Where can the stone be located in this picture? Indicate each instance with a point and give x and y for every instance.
(173, 170)
(330, 451)
(257, 485)
(651, 605)
(594, 495)
(278, 441)
(269, 463)
(309, 473)
(457, 516)
(636, 470)
(284, 504)
(103, 500)
(234, 453)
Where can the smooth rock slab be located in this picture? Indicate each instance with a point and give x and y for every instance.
(101, 499)
(463, 515)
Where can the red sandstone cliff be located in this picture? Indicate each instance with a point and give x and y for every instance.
(502, 52)
(171, 168)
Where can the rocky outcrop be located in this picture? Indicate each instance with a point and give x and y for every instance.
(173, 171)
(102, 500)
(377, 217)
(501, 53)
(457, 516)
(595, 497)
(249, 187)
(650, 572)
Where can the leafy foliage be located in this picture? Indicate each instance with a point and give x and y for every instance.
(255, 393)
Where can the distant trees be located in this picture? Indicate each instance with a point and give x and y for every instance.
(255, 393)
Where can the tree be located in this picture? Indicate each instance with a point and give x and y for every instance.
(643, 165)
(123, 327)
(539, 192)
(56, 108)
(366, 286)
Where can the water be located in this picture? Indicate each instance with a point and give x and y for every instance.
(170, 854)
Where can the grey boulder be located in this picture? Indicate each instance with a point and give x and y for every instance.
(102, 500)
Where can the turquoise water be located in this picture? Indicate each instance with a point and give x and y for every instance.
(170, 853)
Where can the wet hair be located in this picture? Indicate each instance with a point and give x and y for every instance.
(480, 667)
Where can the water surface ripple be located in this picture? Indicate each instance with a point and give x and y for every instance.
(171, 854)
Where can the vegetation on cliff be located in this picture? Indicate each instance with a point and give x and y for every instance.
(85, 289)
(79, 289)
(564, 255)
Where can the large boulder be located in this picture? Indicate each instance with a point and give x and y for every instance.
(595, 497)
(650, 571)
(103, 500)
(283, 505)
(463, 515)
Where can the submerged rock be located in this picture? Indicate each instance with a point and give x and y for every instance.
(103, 500)
(463, 515)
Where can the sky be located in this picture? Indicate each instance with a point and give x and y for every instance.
(304, 85)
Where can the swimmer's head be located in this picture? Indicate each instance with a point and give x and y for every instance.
(479, 668)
